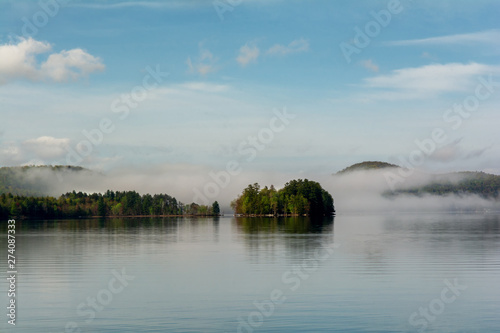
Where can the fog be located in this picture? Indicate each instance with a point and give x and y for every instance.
(359, 191)
(181, 181)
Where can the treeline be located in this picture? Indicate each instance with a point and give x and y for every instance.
(298, 197)
(483, 184)
(75, 205)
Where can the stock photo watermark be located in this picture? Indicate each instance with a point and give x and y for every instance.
(248, 149)
(223, 6)
(454, 118)
(292, 280)
(120, 106)
(11, 272)
(103, 298)
(428, 314)
(363, 37)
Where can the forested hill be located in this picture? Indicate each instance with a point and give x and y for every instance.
(367, 165)
(459, 183)
(483, 184)
(34, 180)
(298, 197)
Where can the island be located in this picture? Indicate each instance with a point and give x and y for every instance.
(296, 198)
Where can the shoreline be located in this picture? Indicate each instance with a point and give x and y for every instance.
(94, 217)
(22, 218)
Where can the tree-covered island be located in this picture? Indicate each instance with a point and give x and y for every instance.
(298, 197)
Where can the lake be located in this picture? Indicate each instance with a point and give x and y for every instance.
(351, 273)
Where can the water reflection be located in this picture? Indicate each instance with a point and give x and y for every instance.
(267, 239)
(287, 225)
(216, 227)
(201, 275)
(384, 244)
(481, 225)
(114, 225)
(108, 225)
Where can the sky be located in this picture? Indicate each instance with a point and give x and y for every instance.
(202, 89)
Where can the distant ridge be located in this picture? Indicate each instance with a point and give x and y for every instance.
(368, 165)
(457, 183)
(483, 184)
(34, 180)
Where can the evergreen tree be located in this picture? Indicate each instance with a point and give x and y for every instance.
(101, 207)
(215, 209)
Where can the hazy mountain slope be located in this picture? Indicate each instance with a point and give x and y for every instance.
(36, 180)
(367, 165)
(459, 183)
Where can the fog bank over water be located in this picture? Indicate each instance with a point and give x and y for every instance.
(359, 191)
(363, 191)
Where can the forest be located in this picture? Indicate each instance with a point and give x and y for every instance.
(483, 184)
(298, 197)
(78, 205)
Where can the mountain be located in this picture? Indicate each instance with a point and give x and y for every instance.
(35, 180)
(458, 183)
(367, 165)
(55, 180)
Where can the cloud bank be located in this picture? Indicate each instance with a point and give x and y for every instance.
(362, 192)
(356, 192)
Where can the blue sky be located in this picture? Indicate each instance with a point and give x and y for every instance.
(66, 65)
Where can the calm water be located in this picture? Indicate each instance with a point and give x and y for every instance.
(382, 273)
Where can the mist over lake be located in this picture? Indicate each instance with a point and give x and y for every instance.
(249, 166)
(354, 273)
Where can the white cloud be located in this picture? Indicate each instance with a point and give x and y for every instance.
(488, 36)
(369, 64)
(41, 150)
(298, 45)
(46, 147)
(429, 80)
(20, 61)
(71, 64)
(10, 153)
(248, 54)
(204, 64)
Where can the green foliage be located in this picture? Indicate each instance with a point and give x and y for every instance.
(215, 209)
(74, 205)
(298, 197)
(367, 165)
(101, 207)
